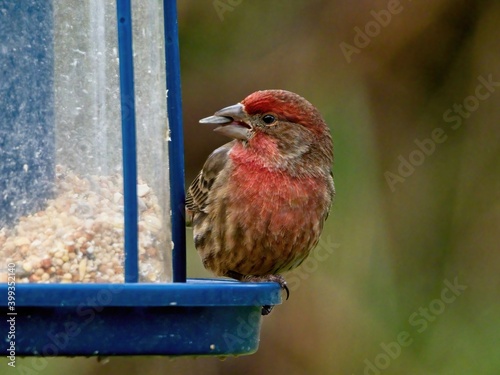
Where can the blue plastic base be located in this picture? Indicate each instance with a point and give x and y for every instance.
(200, 317)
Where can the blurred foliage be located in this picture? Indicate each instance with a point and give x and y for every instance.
(395, 250)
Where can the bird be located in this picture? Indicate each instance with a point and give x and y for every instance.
(258, 206)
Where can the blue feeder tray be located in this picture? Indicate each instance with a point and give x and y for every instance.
(187, 317)
(199, 317)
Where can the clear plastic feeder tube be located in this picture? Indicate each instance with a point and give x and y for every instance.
(69, 225)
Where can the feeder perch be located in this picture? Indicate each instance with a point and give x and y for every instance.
(92, 237)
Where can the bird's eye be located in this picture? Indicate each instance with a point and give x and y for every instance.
(268, 119)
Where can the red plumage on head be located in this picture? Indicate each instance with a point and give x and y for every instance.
(287, 105)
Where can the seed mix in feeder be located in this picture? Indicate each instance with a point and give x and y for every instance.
(78, 237)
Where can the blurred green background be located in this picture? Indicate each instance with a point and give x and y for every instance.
(408, 220)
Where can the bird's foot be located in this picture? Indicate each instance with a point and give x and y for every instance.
(268, 278)
(271, 278)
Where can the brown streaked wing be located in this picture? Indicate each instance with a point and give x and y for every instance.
(199, 189)
(331, 188)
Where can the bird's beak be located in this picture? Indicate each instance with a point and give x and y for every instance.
(232, 122)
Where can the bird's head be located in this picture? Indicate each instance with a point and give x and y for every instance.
(277, 125)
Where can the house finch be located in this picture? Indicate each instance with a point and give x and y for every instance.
(258, 206)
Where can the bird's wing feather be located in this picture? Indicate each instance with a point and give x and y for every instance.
(331, 189)
(199, 189)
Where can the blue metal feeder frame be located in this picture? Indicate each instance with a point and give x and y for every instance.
(186, 317)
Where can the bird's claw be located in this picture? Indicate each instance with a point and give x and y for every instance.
(266, 309)
(285, 287)
(271, 278)
(280, 280)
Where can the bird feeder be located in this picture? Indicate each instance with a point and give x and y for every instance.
(92, 237)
